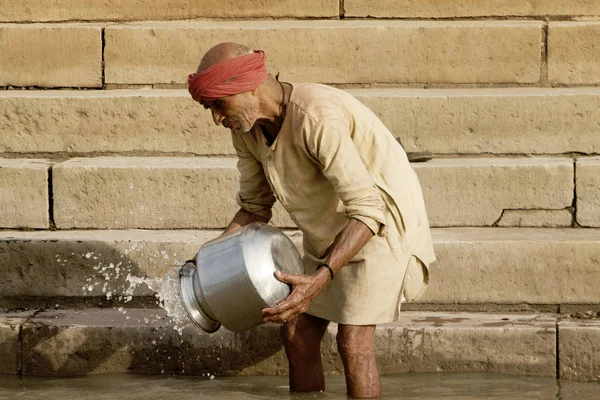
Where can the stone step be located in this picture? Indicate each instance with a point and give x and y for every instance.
(133, 192)
(442, 121)
(480, 267)
(128, 10)
(425, 52)
(180, 193)
(469, 8)
(78, 342)
(335, 51)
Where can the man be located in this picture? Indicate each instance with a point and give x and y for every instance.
(347, 184)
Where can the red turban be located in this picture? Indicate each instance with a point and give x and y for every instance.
(216, 82)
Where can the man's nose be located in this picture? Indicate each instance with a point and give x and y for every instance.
(218, 118)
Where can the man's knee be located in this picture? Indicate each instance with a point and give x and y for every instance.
(304, 333)
(355, 340)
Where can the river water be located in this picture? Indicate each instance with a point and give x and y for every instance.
(432, 386)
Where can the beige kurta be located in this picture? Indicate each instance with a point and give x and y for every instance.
(332, 160)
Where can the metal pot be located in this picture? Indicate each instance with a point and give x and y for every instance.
(233, 278)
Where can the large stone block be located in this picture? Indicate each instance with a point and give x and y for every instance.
(126, 10)
(481, 266)
(150, 193)
(178, 193)
(579, 349)
(474, 192)
(93, 341)
(468, 8)
(122, 121)
(588, 191)
(498, 121)
(51, 55)
(443, 121)
(573, 52)
(335, 51)
(515, 265)
(24, 193)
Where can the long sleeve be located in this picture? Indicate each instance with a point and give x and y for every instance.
(255, 195)
(331, 144)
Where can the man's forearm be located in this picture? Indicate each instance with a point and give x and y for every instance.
(241, 219)
(347, 244)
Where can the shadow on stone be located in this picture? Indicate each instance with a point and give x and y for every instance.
(101, 335)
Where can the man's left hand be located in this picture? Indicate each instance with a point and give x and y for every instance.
(304, 289)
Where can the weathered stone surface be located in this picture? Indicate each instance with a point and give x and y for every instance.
(91, 263)
(169, 193)
(10, 348)
(573, 52)
(152, 193)
(468, 8)
(515, 265)
(507, 343)
(139, 121)
(126, 10)
(92, 341)
(474, 192)
(50, 55)
(62, 343)
(499, 121)
(475, 265)
(579, 349)
(536, 218)
(588, 191)
(443, 121)
(441, 52)
(24, 193)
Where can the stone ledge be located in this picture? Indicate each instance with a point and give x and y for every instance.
(442, 121)
(476, 266)
(99, 341)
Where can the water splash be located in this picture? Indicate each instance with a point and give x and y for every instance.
(167, 294)
(166, 289)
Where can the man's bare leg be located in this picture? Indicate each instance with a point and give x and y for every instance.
(356, 345)
(302, 341)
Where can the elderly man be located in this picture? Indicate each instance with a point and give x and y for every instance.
(349, 187)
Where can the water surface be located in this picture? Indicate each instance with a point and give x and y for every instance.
(432, 386)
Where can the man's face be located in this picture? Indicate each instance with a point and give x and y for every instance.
(237, 113)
